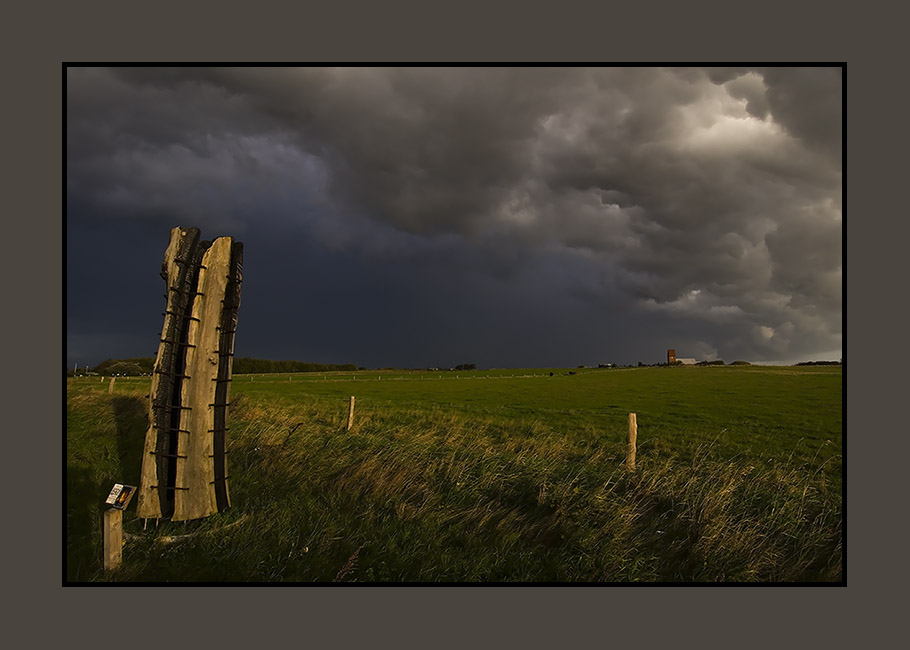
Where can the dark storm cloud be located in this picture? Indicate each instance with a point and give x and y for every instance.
(687, 207)
(805, 101)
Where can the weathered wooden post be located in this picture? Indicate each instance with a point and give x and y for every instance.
(184, 469)
(113, 538)
(630, 442)
(195, 473)
(110, 389)
(351, 414)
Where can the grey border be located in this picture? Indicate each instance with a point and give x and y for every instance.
(371, 32)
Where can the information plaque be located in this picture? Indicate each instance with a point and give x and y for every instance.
(120, 496)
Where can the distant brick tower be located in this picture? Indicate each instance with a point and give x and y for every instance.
(671, 357)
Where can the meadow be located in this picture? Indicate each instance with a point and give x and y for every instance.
(485, 476)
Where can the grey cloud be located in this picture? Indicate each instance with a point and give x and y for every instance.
(710, 197)
(805, 101)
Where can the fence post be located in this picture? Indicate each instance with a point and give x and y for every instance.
(351, 414)
(113, 538)
(630, 442)
(110, 389)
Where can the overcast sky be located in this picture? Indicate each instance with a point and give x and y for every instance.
(513, 217)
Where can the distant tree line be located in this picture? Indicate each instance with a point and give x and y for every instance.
(245, 365)
(242, 365)
(127, 367)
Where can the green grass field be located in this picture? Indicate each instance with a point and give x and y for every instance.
(501, 475)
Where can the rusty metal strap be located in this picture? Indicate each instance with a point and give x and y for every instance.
(174, 313)
(180, 260)
(156, 453)
(171, 429)
(172, 374)
(172, 406)
(180, 343)
(184, 292)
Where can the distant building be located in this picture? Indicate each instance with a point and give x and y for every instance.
(673, 360)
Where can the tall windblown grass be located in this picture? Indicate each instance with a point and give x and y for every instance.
(425, 495)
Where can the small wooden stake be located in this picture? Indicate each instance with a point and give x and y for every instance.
(113, 538)
(351, 414)
(110, 389)
(630, 443)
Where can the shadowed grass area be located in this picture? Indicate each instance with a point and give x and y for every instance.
(429, 487)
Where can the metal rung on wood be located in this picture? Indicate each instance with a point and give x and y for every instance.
(155, 453)
(172, 430)
(181, 343)
(172, 406)
(184, 292)
(173, 313)
(180, 260)
(172, 374)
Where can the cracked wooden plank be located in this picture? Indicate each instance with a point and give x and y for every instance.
(195, 475)
(178, 272)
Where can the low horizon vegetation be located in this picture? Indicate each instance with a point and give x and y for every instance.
(140, 366)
